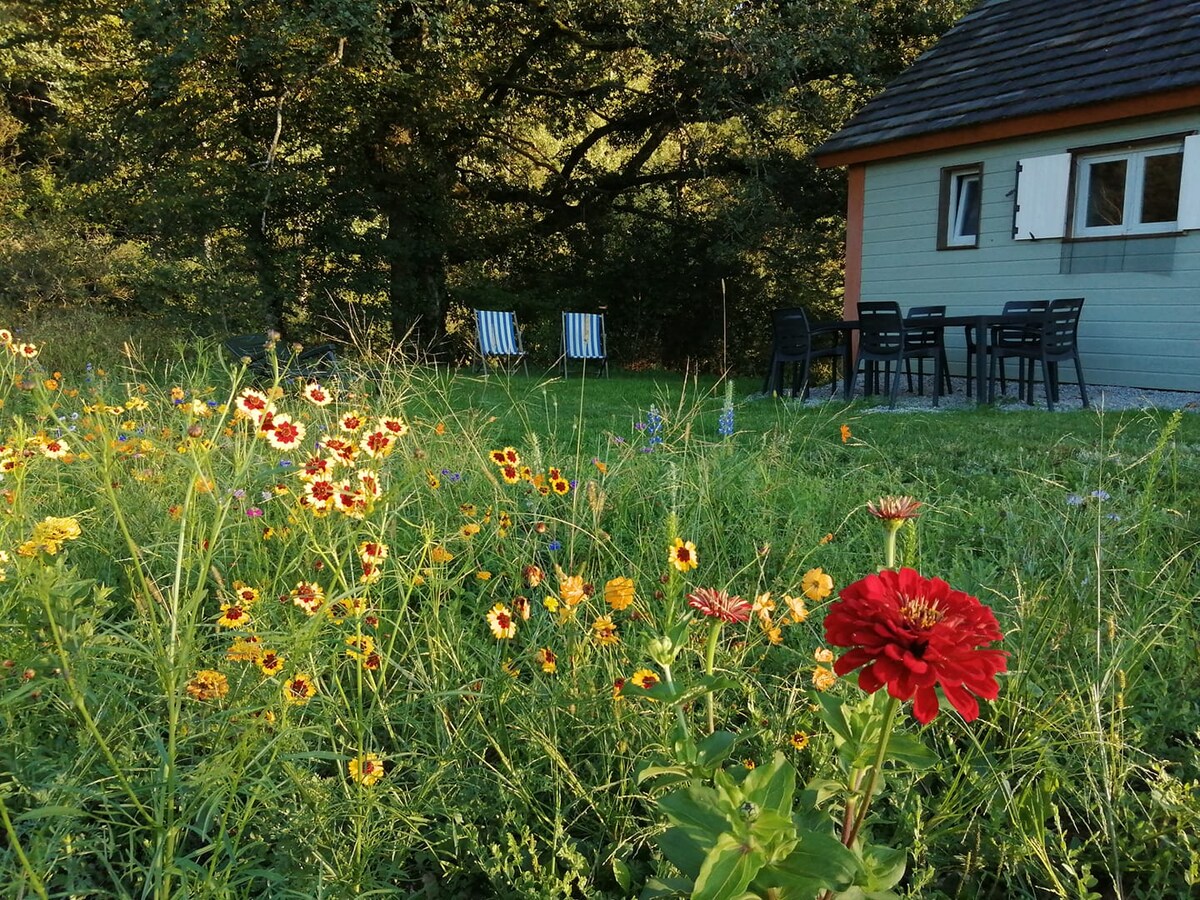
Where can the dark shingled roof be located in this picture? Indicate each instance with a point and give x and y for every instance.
(1010, 58)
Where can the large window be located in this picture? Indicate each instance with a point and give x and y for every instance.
(958, 209)
(1133, 191)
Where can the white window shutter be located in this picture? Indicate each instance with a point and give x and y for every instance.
(1189, 184)
(1041, 210)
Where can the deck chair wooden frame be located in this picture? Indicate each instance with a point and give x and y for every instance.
(499, 337)
(583, 338)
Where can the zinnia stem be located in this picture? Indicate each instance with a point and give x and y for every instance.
(683, 726)
(710, 653)
(890, 544)
(885, 735)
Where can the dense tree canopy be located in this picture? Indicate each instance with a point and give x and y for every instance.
(298, 163)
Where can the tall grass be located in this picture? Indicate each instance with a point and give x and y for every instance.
(503, 779)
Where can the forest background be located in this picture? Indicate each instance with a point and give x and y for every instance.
(375, 168)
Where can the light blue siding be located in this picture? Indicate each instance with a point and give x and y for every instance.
(1141, 321)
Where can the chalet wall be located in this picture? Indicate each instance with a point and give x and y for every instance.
(1141, 321)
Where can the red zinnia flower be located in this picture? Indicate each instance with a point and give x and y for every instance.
(717, 604)
(912, 633)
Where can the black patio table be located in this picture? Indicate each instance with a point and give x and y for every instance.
(983, 324)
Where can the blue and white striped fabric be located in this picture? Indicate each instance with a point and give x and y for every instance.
(583, 335)
(498, 334)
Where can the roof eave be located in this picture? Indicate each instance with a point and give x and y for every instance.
(1018, 126)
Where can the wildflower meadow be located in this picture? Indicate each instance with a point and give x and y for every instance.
(417, 633)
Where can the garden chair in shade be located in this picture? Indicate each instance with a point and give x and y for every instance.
(499, 337)
(882, 338)
(1056, 340)
(311, 362)
(916, 336)
(794, 343)
(1006, 334)
(583, 338)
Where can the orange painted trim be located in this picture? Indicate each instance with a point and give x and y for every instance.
(856, 184)
(1021, 126)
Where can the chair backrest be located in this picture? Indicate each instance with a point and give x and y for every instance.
(1061, 329)
(791, 331)
(583, 335)
(880, 327)
(923, 337)
(1026, 306)
(498, 333)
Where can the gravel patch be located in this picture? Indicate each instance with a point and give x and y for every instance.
(1103, 398)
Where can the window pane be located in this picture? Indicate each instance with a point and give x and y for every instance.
(1106, 193)
(966, 219)
(1160, 188)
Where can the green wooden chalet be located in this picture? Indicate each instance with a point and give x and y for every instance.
(1042, 149)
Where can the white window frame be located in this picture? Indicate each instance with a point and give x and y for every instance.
(953, 219)
(1135, 170)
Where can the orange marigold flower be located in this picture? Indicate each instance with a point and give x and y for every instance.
(440, 555)
(469, 530)
(245, 649)
(796, 608)
(682, 555)
(208, 684)
(823, 679)
(571, 589)
(823, 655)
(299, 689)
(845, 433)
(619, 593)
(816, 585)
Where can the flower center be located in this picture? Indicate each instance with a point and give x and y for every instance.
(920, 612)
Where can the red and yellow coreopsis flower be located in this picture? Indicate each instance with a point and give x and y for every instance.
(373, 551)
(547, 659)
(245, 649)
(502, 623)
(682, 555)
(394, 426)
(360, 646)
(308, 596)
(351, 421)
(233, 616)
(317, 395)
(645, 678)
(604, 630)
(270, 663)
(377, 444)
(55, 448)
(299, 689)
(246, 595)
(915, 634)
(365, 769)
(284, 433)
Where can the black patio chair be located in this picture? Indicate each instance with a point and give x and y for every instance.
(311, 362)
(882, 338)
(917, 336)
(1006, 334)
(1057, 340)
(794, 343)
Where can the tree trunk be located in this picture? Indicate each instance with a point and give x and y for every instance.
(417, 298)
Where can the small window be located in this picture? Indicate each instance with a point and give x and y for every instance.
(1128, 192)
(958, 211)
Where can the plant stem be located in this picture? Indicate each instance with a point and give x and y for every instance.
(34, 881)
(710, 653)
(890, 545)
(885, 735)
(678, 707)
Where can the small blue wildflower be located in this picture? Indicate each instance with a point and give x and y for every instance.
(212, 404)
(1112, 517)
(122, 438)
(238, 493)
(285, 463)
(725, 422)
(1074, 500)
(617, 439)
(574, 484)
(555, 545)
(1101, 495)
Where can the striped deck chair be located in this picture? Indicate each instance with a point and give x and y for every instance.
(499, 337)
(583, 338)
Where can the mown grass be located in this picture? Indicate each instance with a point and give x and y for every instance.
(502, 779)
